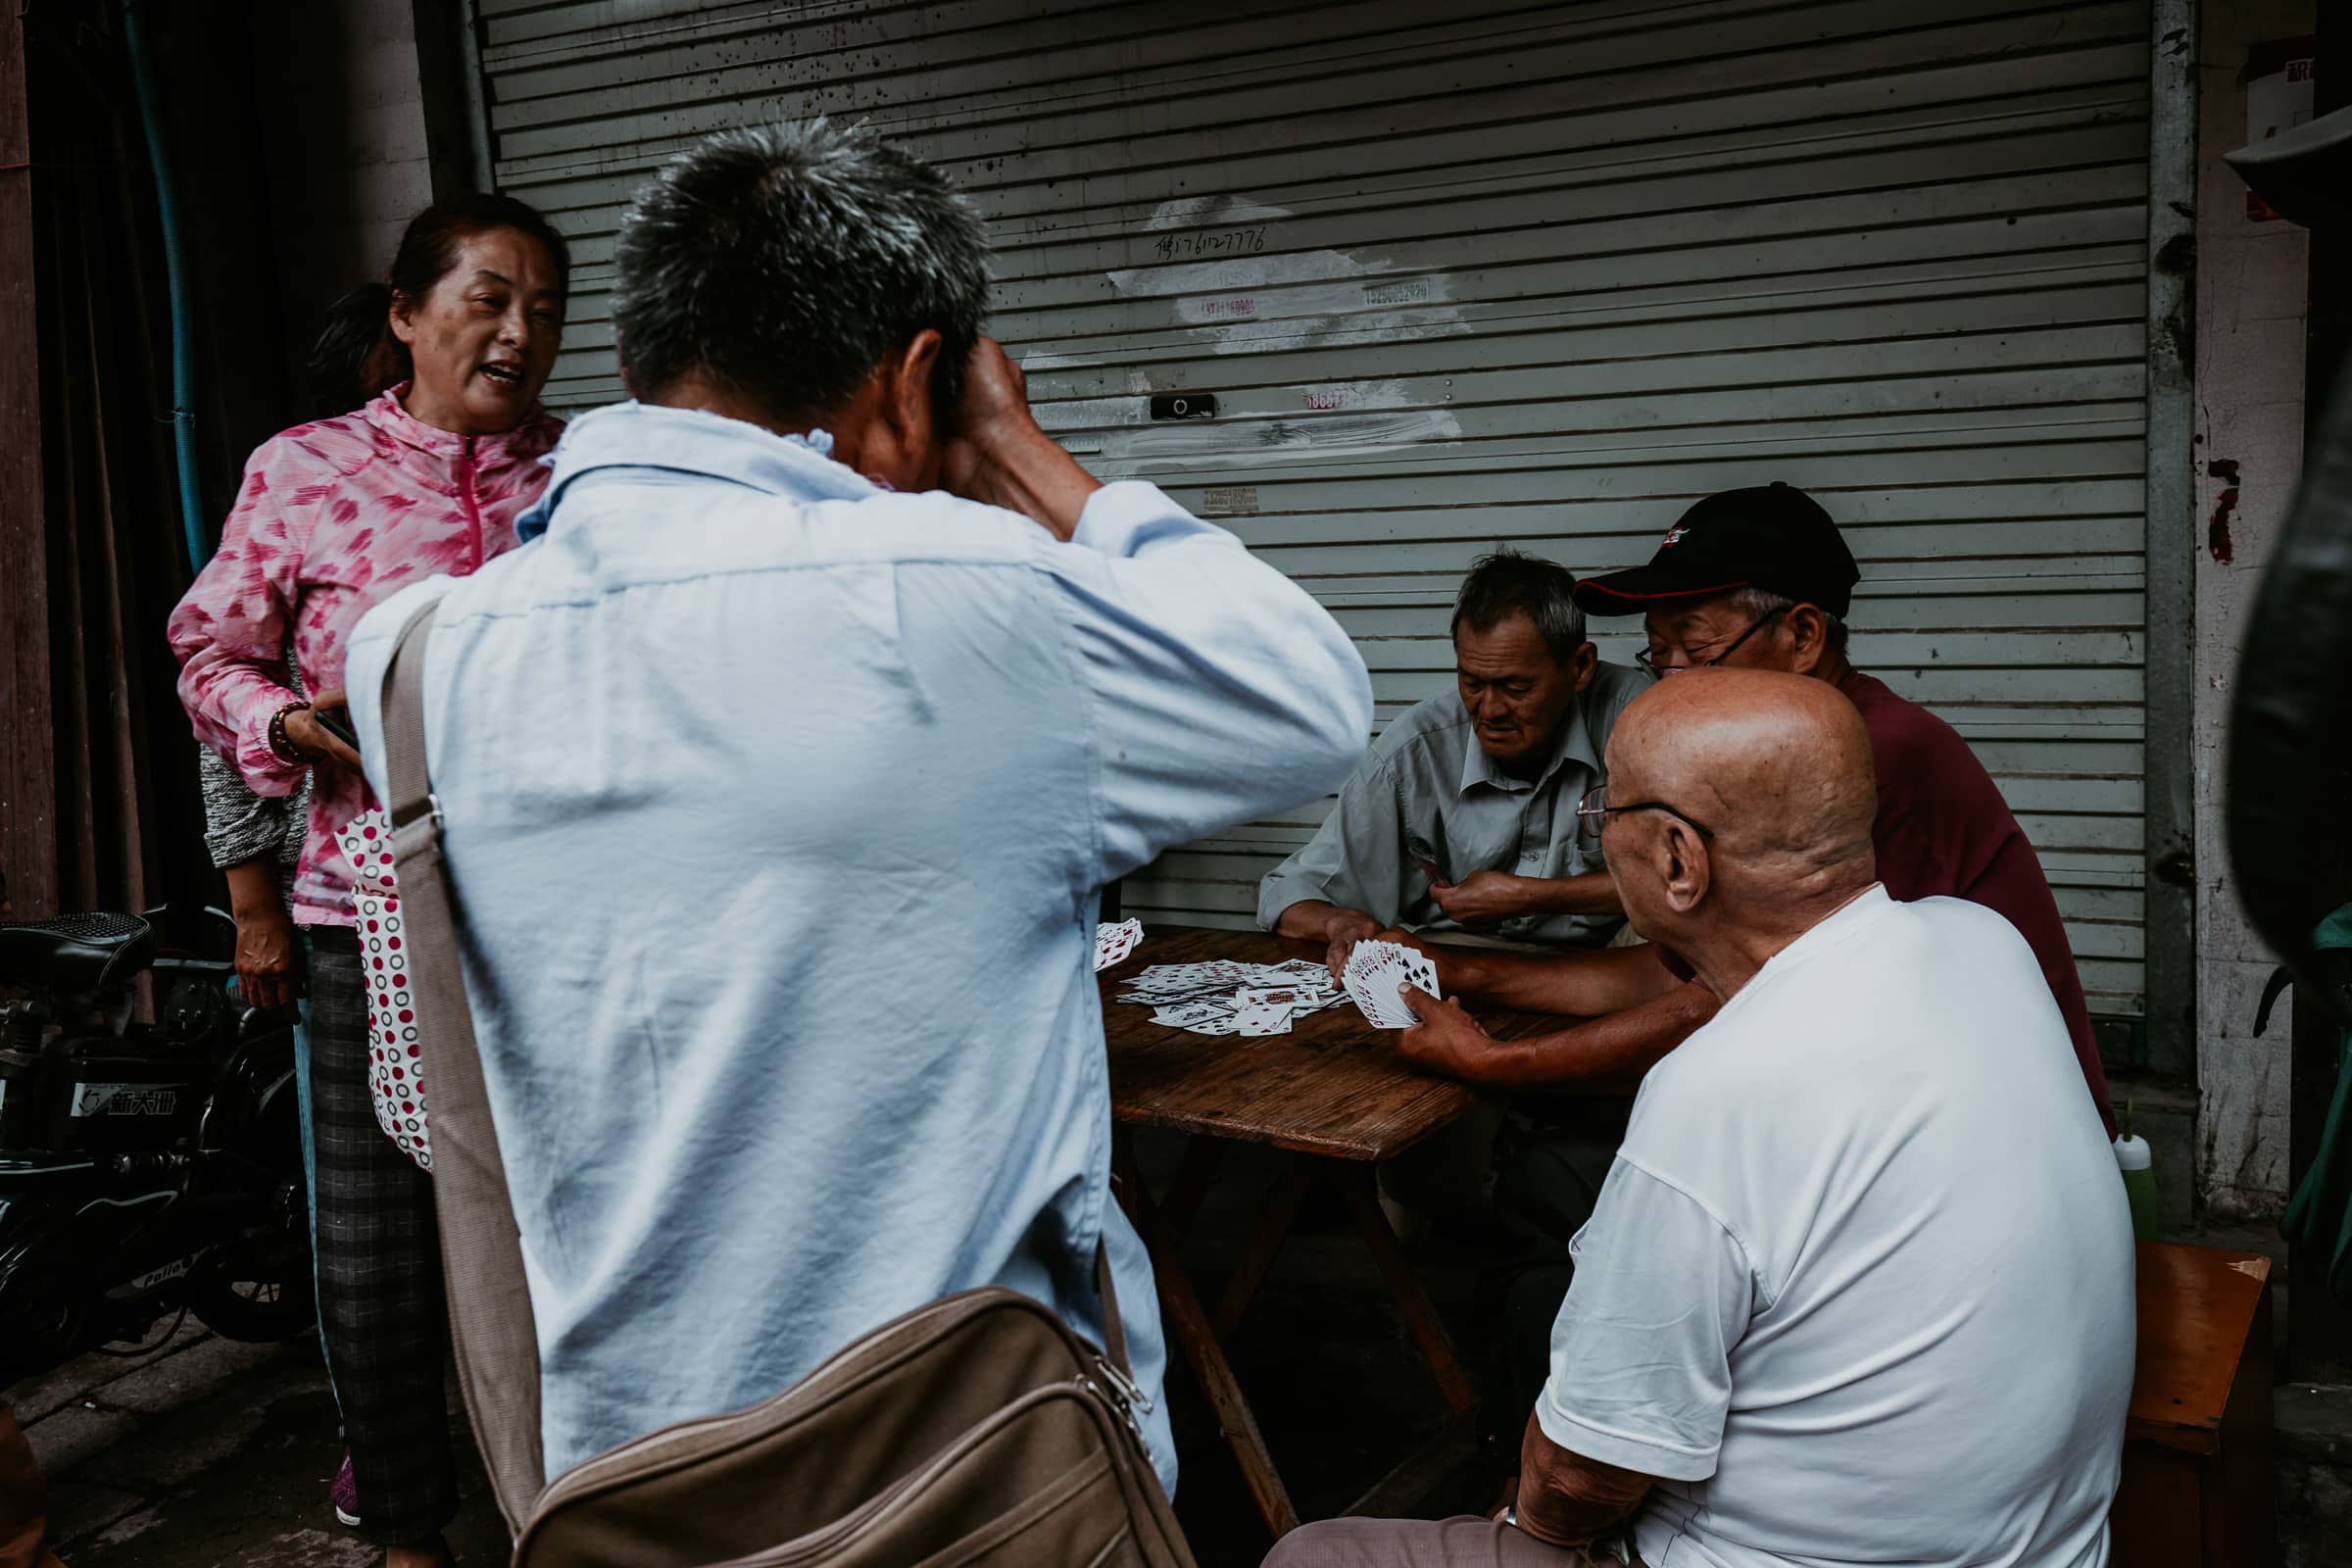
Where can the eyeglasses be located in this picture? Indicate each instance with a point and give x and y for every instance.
(1657, 672)
(1594, 811)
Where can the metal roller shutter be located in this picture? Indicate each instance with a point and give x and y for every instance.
(1536, 274)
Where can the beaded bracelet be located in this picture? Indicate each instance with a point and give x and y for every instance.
(281, 745)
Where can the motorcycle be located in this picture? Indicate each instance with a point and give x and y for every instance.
(146, 1170)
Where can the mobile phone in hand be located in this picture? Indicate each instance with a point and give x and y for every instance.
(337, 721)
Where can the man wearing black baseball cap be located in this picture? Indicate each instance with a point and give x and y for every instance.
(1772, 542)
(1760, 579)
(1756, 578)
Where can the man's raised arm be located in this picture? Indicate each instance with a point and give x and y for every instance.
(1221, 691)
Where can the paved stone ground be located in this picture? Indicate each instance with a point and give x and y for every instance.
(205, 1453)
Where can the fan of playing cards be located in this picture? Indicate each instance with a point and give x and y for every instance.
(1375, 969)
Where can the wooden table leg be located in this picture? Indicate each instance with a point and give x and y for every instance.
(1355, 1183)
(1188, 1324)
(1181, 1201)
(1274, 1223)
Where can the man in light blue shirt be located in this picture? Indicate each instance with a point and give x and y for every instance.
(778, 786)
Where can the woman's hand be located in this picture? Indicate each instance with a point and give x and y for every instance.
(267, 965)
(266, 970)
(311, 739)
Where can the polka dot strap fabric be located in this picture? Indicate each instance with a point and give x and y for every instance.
(395, 1057)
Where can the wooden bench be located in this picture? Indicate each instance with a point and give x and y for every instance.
(2196, 1487)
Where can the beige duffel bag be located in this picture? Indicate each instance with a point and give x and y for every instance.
(977, 1430)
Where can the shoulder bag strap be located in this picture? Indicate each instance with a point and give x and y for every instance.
(1115, 1332)
(497, 1343)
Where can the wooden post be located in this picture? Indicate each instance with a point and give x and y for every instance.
(28, 870)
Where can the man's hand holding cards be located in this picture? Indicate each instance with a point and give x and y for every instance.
(1375, 969)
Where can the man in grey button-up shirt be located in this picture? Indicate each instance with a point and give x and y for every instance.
(1462, 815)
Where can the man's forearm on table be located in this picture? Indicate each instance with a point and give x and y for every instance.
(1603, 1056)
(1309, 919)
(1592, 893)
(1575, 985)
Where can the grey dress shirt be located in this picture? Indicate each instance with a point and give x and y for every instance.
(1427, 790)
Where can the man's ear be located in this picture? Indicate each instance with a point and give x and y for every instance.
(1583, 666)
(1683, 855)
(907, 394)
(1808, 638)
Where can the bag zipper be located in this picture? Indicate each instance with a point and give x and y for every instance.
(817, 1544)
(1123, 1395)
(589, 1473)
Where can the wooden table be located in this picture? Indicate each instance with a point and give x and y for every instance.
(1334, 1092)
(2196, 1485)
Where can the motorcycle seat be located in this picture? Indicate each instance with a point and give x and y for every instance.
(75, 952)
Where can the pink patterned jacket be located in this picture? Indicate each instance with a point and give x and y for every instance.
(334, 517)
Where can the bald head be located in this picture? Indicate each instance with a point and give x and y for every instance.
(1777, 769)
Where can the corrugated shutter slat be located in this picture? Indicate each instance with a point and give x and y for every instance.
(1528, 272)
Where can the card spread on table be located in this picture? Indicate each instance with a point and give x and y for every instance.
(1112, 943)
(1375, 969)
(1263, 1018)
(1225, 995)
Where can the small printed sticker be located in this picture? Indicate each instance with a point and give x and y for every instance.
(124, 1099)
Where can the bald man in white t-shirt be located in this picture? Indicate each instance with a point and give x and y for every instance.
(1858, 1288)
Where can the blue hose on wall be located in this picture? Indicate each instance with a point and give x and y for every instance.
(183, 367)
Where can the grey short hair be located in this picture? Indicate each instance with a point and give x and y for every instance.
(784, 262)
(1758, 603)
(1508, 584)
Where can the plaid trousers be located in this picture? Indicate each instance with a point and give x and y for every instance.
(380, 1272)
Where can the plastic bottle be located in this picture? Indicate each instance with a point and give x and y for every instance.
(2132, 1159)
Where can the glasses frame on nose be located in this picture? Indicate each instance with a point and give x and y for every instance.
(1656, 671)
(1594, 811)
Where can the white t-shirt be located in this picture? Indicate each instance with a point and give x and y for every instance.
(1859, 1285)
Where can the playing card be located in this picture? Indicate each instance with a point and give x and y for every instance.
(1374, 971)
(1112, 943)
(1288, 996)
(1207, 1017)
(1426, 856)
(1186, 978)
(1263, 1018)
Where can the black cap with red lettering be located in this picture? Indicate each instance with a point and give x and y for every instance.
(1772, 536)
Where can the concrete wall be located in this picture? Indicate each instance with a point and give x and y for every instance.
(2249, 375)
(357, 163)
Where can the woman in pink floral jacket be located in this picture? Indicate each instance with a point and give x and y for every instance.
(334, 517)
